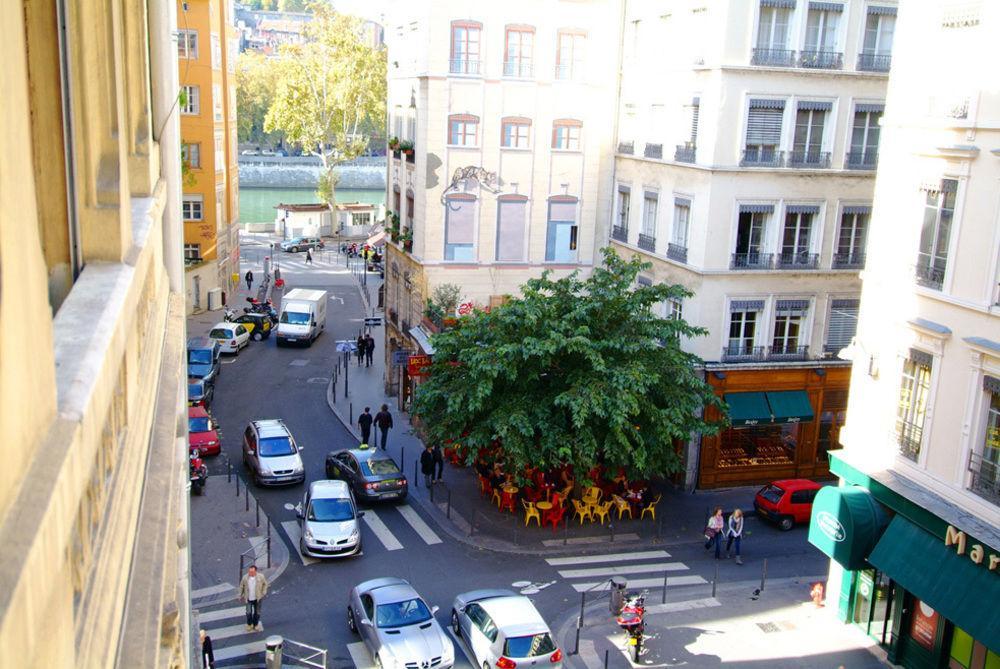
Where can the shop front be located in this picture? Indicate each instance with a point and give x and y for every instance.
(925, 589)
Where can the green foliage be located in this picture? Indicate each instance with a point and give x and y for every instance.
(294, 5)
(326, 189)
(443, 301)
(575, 371)
(256, 81)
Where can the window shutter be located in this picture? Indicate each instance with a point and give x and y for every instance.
(843, 324)
(764, 122)
(460, 220)
(510, 230)
(695, 110)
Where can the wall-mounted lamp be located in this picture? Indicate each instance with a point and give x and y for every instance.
(721, 376)
(820, 372)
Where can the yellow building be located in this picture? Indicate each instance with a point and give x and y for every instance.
(93, 500)
(207, 46)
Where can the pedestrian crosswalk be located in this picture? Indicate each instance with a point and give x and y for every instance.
(643, 569)
(230, 638)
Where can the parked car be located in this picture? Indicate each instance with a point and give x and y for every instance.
(786, 502)
(504, 630)
(329, 520)
(231, 337)
(297, 244)
(203, 359)
(397, 626)
(270, 453)
(202, 434)
(370, 473)
(200, 394)
(259, 325)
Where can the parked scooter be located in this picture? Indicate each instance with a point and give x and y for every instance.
(230, 315)
(631, 620)
(199, 472)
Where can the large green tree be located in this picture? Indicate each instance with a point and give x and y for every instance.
(256, 81)
(576, 371)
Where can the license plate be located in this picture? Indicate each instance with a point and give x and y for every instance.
(290, 339)
(389, 494)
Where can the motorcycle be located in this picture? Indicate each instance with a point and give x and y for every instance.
(266, 308)
(230, 315)
(631, 621)
(199, 472)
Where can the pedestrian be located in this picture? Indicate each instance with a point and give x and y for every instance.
(383, 421)
(735, 533)
(253, 589)
(365, 423)
(438, 463)
(427, 465)
(369, 349)
(309, 257)
(277, 274)
(249, 277)
(713, 532)
(207, 656)
(362, 345)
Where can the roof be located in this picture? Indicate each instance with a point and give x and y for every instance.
(355, 205)
(271, 427)
(516, 610)
(318, 206)
(197, 412)
(796, 484)
(201, 342)
(329, 488)
(225, 325)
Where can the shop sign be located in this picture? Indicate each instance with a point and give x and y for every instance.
(417, 365)
(923, 627)
(831, 528)
(957, 538)
(400, 358)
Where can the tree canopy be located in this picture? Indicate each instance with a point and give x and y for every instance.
(256, 81)
(576, 371)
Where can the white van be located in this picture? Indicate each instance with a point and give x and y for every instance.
(303, 316)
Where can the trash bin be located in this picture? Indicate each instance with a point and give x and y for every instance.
(272, 651)
(617, 601)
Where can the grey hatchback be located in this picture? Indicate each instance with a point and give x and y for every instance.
(372, 475)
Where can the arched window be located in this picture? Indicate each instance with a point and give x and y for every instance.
(460, 227)
(562, 229)
(463, 130)
(512, 225)
(566, 134)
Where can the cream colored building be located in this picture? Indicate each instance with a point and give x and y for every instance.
(93, 491)
(747, 142)
(922, 436)
(509, 108)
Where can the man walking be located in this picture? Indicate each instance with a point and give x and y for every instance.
(249, 278)
(427, 465)
(383, 421)
(362, 345)
(369, 349)
(438, 463)
(365, 423)
(309, 257)
(253, 588)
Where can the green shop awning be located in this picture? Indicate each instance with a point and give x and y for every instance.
(846, 524)
(790, 406)
(966, 593)
(747, 408)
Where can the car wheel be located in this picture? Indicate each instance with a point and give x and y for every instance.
(351, 624)
(236, 353)
(294, 249)
(455, 627)
(786, 523)
(256, 336)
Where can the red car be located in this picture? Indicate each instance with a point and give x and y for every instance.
(201, 432)
(786, 502)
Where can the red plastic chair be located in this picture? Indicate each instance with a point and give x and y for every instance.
(507, 501)
(532, 494)
(554, 516)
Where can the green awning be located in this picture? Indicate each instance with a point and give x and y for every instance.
(790, 406)
(747, 408)
(962, 591)
(846, 524)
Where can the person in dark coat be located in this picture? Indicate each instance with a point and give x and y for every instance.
(362, 345)
(207, 656)
(383, 421)
(369, 349)
(365, 423)
(309, 257)
(438, 463)
(427, 465)
(249, 279)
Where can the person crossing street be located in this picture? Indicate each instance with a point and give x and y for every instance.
(253, 589)
(383, 421)
(309, 257)
(249, 279)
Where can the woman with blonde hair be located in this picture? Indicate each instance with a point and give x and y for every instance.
(735, 533)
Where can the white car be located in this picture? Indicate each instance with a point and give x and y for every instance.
(329, 519)
(231, 337)
(502, 629)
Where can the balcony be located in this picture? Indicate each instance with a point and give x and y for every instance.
(463, 66)
(752, 260)
(874, 62)
(797, 260)
(653, 151)
(985, 478)
(929, 277)
(619, 233)
(854, 260)
(861, 160)
(819, 160)
(821, 60)
(737, 352)
(627, 148)
(684, 153)
(564, 72)
(647, 243)
(789, 352)
(762, 156)
(677, 252)
(518, 70)
(908, 437)
(773, 57)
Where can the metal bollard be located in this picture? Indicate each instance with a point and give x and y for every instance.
(565, 530)
(432, 493)
(237, 485)
(664, 600)
(448, 512)
(350, 414)
(605, 658)
(763, 575)
(273, 651)
(257, 509)
(268, 551)
(246, 498)
(229, 472)
(715, 579)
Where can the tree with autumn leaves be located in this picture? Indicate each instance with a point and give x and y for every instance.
(575, 371)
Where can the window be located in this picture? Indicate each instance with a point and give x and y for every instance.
(517, 60)
(569, 54)
(764, 132)
(750, 237)
(831, 419)
(561, 232)
(515, 132)
(674, 310)
(465, 47)
(233, 54)
(512, 216)
(409, 210)
(821, 28)
(807, 146)
(742, 327)
(876, 54)
(985, 465)
(772, 28)
(190, 100)
(911, 411)
(796, 237)
(191, 207)
(682, 216)
(566, 134)
(789, 317)
(192, 252)
(865, 136)
(216, 52)
(650, 201)
(395, 199)
(620, 231)
(695, 113)
(842, 324)
(460, 220)
(220, 148)
(219, 199)
(463, 130)
(217, 101)
(187, 44)
(852, 238)
(935, 235)
(191, 155)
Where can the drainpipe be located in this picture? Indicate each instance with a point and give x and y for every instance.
(614, 133)
(69, 141)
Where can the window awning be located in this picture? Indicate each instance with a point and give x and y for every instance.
(747, 408)
(790, 406)
(962, 591)
(846, 524)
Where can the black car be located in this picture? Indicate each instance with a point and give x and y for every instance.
(203, 359)
(200, 394)
(371, 473)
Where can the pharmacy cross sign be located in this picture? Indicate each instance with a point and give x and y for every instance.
(486, 179)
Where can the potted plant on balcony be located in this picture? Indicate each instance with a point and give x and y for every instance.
(392, 225)
(394, 147)
(407, 238)
(406, 148)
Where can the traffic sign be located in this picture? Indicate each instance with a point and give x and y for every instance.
(373, 321)
(399, 358)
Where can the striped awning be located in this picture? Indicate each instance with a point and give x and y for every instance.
(766, 103)
(870, 107)
(826, 6)
(781, 4)
(802, 209)
(921, 357)
(858, 209)
(682, 202)
(849, 303)
(792, 305)
(756, 208)
(746, 305)
(882, 10)
(815, 105)
(991, 384)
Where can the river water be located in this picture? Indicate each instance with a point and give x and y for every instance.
(257, 204)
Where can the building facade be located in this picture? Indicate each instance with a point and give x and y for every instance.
(207, 48)
(504, 115)
(914, 527)
(93, 495)
(747, 177)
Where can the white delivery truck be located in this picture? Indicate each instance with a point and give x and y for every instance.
(303, 316)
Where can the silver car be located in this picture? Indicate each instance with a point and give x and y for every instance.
(397, 626)
(271, 455)
(329, 519)
(502, 629)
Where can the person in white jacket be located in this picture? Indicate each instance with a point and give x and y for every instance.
(734, 533)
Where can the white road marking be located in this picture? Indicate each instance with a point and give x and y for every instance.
(222, 614)
(380, 530)
(418, 524)
(243, 649)
(360, 656)
(588, 653)
(228, 632)
(624, 569)
(338, 299)
(294, 532)
(610, 557)
(628, 536)
(647, 583)
(211, 590)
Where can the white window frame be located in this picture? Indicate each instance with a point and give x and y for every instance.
(220, 151)
(758, 319)
(187, 154)
(192, 251)
(824, 20)
(649, 224)
(620, 220)
(770, 43)
(804, 336)
(193, 106)
(217, 102)
(676, 227)
(879, 49)
(216, 52)
(925, 426)
(521, 135)
(189, 203)
(187, 48)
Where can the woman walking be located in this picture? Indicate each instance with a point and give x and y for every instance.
(713, 532)
(734, 533)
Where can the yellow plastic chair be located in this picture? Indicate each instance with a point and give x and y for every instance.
(592, 495)
(622, 506)
(602, 511)
(650, 508)
(582, 510)
(497, 497)
(531, 511)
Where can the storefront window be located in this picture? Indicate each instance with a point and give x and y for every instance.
(830, 421)
(968, 653)
(759, 445)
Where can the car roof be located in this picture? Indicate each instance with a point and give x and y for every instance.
(271, 427)
(329, 489)
(513, 610)
(796, 484)
(366, 453)
(225, 324)
(197, 412)
(387, 594)
(201, 342)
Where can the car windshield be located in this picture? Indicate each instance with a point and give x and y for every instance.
(220, 333)
(200, 356)
(294, 318)
(380, 467)
(529, 646)
(200, 424)
(398, 614)
(274, 446)
(194, 390)
(330, 510)
(772, 493)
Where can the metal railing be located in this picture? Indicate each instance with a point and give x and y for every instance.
(743, 353)
(685, 153)
(861, 160)
(513, 68)
(797, 260)
(628, 148)
(647, 242)
(463, 66)
(874, 62)
(854, 260)
(752, 260)
(809, 158)
(305, 654)
(985, 478)
(762, 156)
(908, 437)
(653, 151)
(788, 352)
(773, 57)
(677, 252)
(620, 233)
(929, 276)
(821, 60)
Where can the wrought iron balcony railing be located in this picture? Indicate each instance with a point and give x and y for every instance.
(464, 66)
(861, 160)
(619, 232)
(908, 437)
(874, 62)
(628, 148)
(985, 478)
(653, 151)
(855, 260)
(809, 158)
(929, 276)
(797, 260)
(647, 243)
(519, 70)
(752, 260)
(788, 352)
(762, 156)
(685, 153)
(821, 60)
(739, 352)
(677, 252)
(773, 57)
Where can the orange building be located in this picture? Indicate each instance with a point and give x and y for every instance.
(207, 47)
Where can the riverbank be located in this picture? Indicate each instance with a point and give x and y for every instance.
(257, 204)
